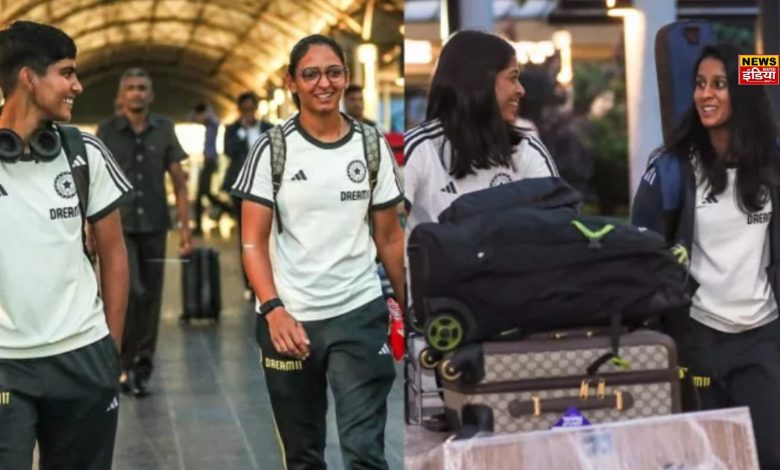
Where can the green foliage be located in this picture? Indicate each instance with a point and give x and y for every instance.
(609, 136)
(740, 36)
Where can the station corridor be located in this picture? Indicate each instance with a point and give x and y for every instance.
(209, 409)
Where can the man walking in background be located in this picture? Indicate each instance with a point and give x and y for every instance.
(203, 114)
(146, 147)
(239, 138)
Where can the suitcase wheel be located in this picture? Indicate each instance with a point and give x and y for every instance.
(429, 358)
(448, 372)
(444, 332)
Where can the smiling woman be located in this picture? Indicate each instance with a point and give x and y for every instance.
(309, 184)
(710, 192)
(54, 325)
(469, 141)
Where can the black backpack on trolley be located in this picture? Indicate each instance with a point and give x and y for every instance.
(519, 257)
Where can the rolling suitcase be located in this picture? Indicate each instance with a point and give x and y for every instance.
(201, 294)
(529, 384)
(677, 47)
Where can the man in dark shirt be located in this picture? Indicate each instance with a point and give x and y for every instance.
(145, 147)
(239, 137)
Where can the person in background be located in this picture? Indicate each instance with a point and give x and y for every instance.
(354, 105)
(146, 148)
(203, 114)
(239, 138)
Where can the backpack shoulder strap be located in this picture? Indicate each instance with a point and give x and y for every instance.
(76, 153)
(669, 172)
(371, 154)
(278, 159)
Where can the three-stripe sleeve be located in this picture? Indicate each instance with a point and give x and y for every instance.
(545, 166)
(108, 185)
(254, 179)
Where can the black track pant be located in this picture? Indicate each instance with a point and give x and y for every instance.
(349, 352)
(741, 369)
(68, 402)
(146, 259)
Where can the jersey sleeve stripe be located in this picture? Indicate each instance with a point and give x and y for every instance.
(412, 137)
(116, 174)
(411, 146)
(548, 160)
(248, 172)
(412, 133)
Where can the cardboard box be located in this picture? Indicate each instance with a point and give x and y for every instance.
(720, 439)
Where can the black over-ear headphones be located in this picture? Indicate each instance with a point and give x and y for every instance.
(45, 145)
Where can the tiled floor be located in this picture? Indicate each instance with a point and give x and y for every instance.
(209, 408)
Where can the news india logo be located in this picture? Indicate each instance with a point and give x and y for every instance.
(759, 70)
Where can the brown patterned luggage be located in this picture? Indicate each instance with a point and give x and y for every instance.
(529, 384)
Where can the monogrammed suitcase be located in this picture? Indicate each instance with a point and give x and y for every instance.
(530, 384)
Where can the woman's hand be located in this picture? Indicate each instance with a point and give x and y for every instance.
(287, 334)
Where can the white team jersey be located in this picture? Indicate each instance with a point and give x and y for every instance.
(324, 260)
(429, 187)
(729, 257)
(49, 301)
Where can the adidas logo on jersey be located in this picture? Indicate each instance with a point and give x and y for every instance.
(384, 350)
(79, 161)
(450, 188)
(711, 199)
(300, 176)
(114, 405)
(3, 192)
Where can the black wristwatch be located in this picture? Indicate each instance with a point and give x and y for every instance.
(269, 305)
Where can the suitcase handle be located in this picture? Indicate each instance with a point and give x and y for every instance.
(619, 400)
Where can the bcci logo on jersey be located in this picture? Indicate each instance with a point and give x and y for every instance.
(499, 179)
(759, 70)
(64, 185)
(356, 170)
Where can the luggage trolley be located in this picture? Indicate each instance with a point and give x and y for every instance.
(422, 396)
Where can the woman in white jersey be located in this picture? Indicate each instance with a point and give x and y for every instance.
(322, 319)
(710, 192)
(469, 140)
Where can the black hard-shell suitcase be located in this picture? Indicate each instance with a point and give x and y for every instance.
(677, 47)
(528, 384)
(201, 292)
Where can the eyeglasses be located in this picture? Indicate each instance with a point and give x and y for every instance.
(313, 74)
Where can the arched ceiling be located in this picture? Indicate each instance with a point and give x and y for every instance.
(212, 48)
